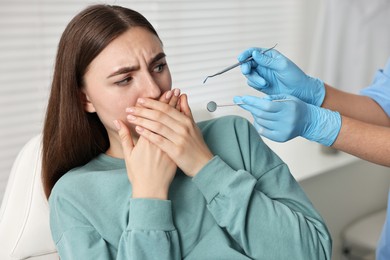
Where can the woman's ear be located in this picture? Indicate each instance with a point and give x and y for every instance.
(87, 104)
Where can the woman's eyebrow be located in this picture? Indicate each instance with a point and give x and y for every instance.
(157, 57)
(128, 69)
(122, 70)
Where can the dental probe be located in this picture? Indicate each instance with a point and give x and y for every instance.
(235, 65)
(212, 106)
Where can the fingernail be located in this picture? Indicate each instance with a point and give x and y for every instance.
(176, 92)
(130, 110)
(238, 100)
(168, 95)
(117, 125)
(141, 100)
(131, 117)
(139, 129)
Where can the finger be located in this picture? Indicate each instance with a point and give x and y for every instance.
(167, 145)
(257, 82)
(156, 139)
(256, 103)
(269, 124)
(165, 126)
(125, 137)
(166, 97)
(154, 110)
(272, 59)
(270, 134)
(281, 97)
(246, 54)
(246, 68)
(175, 97)
(258, 127)
(184, 106)
(259, 114)
(170, 97)
(178, 104)
(262, 130)
(275, 135)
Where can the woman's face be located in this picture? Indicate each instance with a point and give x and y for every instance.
(131, 66)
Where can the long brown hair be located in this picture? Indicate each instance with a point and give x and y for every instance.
(71, 136)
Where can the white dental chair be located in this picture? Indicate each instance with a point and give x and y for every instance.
(24, 213)
(361, 237)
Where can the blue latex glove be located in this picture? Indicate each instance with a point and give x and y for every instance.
(288, 117)
(273, 73)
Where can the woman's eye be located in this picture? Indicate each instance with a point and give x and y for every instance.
(159, 67)
(123, 82)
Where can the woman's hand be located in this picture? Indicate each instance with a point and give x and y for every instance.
(175, 132)
(150, 170)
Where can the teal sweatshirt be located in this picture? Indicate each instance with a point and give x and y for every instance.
(243, 204)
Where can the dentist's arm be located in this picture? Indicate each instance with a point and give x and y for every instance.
(358, 107)
(367, 141)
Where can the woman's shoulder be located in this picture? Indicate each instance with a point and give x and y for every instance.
(231, 126)
(235, 140)
(230, 131)
(69, 182)
(225, 122)
(88, 176)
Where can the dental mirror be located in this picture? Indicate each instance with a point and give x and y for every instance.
(212, 106)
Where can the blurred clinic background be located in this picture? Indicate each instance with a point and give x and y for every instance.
(342, 42)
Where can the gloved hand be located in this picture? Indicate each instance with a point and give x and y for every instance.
(284, 117)
(273, 73)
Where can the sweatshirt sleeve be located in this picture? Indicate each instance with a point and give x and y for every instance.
(150, 233)
(261, 205)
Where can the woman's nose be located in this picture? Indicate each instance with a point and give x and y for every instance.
(152, 89)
